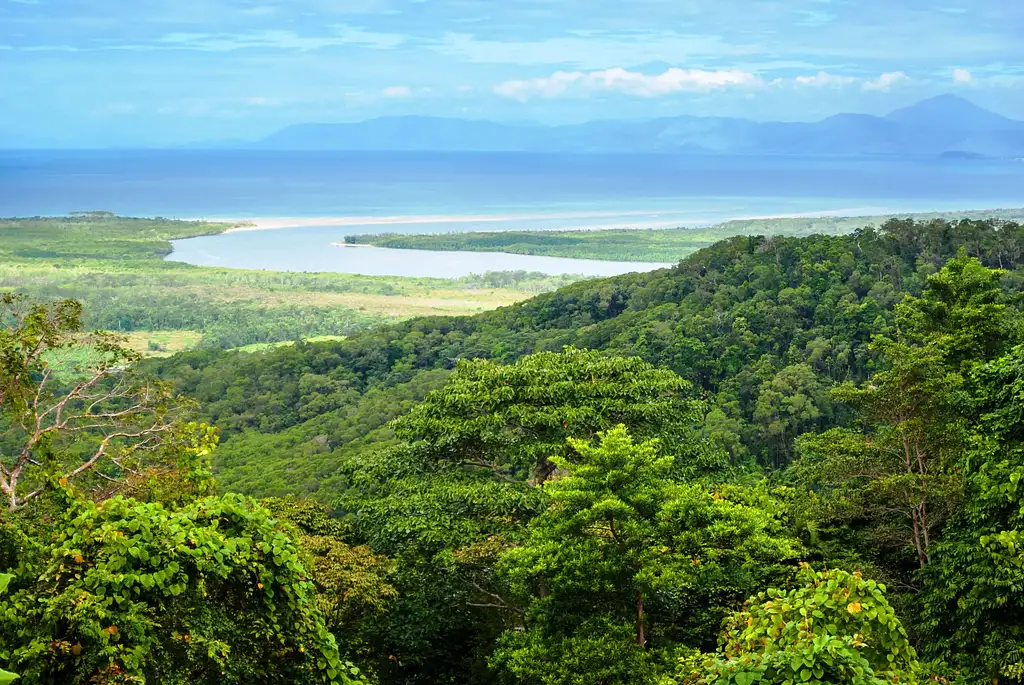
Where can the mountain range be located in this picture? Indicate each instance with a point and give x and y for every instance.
(943, 125)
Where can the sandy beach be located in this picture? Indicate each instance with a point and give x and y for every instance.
(270, 223)
(646, 220)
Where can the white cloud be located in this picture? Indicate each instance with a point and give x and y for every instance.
(962, 76)
(396, 92)
(885, 82)
(823, 79)
(620, 80)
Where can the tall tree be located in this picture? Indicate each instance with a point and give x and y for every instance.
(627, 564)
(972, 595)
(70, 402)
(897, 473)
(900, 469)
(511, 418)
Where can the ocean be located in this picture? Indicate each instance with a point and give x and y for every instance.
(225, 183)
(454, 191)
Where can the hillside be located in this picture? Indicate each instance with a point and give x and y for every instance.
(758, 324)
(815, 440)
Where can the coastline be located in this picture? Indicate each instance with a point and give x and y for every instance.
(242, 224)
(272, 223)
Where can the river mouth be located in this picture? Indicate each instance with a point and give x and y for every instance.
(316, 249)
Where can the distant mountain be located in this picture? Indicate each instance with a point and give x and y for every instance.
(944, 125)
(950, 112)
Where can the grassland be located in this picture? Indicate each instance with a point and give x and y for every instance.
(263, 347)
(162, 343)
(116, 266)
(664, 245)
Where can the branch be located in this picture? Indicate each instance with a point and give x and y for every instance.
(480, 463)
(106, 443)
(501, 603)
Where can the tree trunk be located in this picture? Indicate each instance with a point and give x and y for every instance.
(917, 537)
(641, 639)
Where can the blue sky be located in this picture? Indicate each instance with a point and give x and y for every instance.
(127, 72)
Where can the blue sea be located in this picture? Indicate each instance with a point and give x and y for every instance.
(190, 183)
(512, 190)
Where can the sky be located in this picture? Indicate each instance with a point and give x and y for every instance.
(168, 72)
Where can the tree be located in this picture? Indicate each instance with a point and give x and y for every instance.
(131, 592)
(471, 474)
(787, 405)
(622, 546)
(898, 472)
(960, 311)
(353, 586)
(510, 419)
(836, 627)
(443, 527)
(88, 415)
(972, 594)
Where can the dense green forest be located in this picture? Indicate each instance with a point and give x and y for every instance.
(651, 245)
(115, 265)
(785, 460)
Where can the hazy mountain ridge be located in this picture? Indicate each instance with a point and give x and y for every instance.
(945, 124)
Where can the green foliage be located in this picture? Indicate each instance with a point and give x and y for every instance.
(960, 312)
(6, 677)
(901, 471)
(71, 421)
(742, 318)
(653, 245)
(115, 266)
(623, 544)
(836, 627)
(461, 489)
(353, 585)
(137, 592)
(898, 473)
(512, 418)
(974, 590)
(506, 529)
(598, 650)
(789, 404)
(935, 465)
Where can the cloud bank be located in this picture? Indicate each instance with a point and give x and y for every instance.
(885, 82)
(619, 80)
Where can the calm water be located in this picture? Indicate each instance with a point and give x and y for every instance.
(530, 190)
(268, 183)
(310, 249)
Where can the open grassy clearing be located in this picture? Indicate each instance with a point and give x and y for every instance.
(162, 343)
(116, 267)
